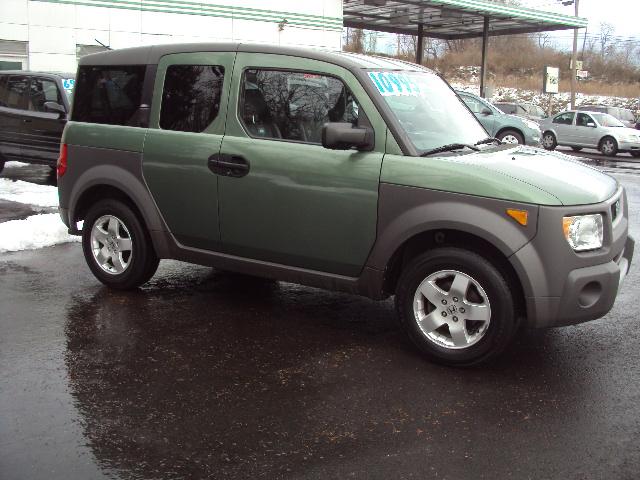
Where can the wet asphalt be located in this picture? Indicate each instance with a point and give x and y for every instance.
(205, 374)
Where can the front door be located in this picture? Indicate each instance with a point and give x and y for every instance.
(297, 203)
(186, 126)
(13, 104)
(586, 131)
(43, 128)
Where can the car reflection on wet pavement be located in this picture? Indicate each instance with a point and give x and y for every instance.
(205, 374)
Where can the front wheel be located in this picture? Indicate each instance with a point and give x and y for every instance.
(510, 136)
(116, 245)
(609, 146)
(456, 306)
(549, 141)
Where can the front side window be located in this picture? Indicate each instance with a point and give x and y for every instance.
(108, 94)
(43, 90)
(426, 108)
(13, 92)
(607, 120)
(191, 97)
(564, 118)
(292, 105)
(507, 108)
(583, 120)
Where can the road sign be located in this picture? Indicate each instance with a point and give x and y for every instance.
(582, 74)
(551, 80)
(578, 64)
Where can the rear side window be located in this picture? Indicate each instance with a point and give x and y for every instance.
(292, 105)
(13, 92)
(108, 94)
(564, 118)
(43, 90)
(191, 97)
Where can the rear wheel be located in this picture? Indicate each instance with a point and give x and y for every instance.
(609, 146)
(576, 149)
(116, 245)
(456, 306)
(510, 136)
(549, 141)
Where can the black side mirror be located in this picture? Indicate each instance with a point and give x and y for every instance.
(486, 111)
(55, 107)
(343, 136)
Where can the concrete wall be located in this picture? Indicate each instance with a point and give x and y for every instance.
(54, 28)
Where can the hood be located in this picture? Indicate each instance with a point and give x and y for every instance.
(559, 175)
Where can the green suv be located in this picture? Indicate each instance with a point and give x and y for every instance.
(340, 171)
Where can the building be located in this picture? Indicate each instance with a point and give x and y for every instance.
(53, 34)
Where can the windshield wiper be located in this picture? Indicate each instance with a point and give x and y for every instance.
(449, 148)
(488, 140)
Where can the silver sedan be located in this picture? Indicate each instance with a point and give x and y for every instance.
(580, 130)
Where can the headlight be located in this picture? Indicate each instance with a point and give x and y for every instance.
(583, 232)
(629, 138)
(532, 125)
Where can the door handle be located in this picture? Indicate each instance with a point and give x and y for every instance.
(26, 120)
(228, 165)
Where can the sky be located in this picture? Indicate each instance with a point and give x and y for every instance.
(623, 15)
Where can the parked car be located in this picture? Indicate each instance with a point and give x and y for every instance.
(33, 112)
(580, 130)
(625, 115)
(526, 110)
(366, 175)
(507, 128)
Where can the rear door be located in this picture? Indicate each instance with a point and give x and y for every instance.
(42, 127)
(13, 104)
(187, 122)
(297, 203)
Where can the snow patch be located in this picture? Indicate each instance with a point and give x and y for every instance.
(15, 164)
(28, 193)
(36, 231)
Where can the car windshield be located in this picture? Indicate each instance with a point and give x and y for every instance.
(606, 120)
(430, 113)
(67, 85)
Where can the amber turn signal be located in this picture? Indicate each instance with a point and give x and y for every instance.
(520, 216)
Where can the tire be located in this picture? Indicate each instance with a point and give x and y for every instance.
(129, 257)
(576, 149)
(633, 154)
(608, 146)
(549, 141)
(511, 136)
(481, 340)
(1, 165)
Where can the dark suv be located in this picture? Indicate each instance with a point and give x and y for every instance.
(33, 112)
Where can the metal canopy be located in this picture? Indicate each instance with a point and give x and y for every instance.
(452, 19)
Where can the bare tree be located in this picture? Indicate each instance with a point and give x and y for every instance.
(606, 33)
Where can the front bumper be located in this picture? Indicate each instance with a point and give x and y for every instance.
(629, 146)
(533, 138)
(563, 287)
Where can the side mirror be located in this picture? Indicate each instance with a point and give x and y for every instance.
(343, 136)
(486, 111)
(55, 107)
(591, 124)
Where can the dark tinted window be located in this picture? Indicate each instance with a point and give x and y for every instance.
(294, 105)
(564, 118)
(109, 95)
(43, 90)
(13, 92)
(191, 97)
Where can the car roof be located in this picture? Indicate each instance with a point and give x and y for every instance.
(150, 55)
(29, 72)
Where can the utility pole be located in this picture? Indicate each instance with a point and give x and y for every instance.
(574, 61)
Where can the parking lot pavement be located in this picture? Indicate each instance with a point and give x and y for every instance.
(202, 374)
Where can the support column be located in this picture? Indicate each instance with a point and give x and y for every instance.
(420, 44)
(485, 48)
